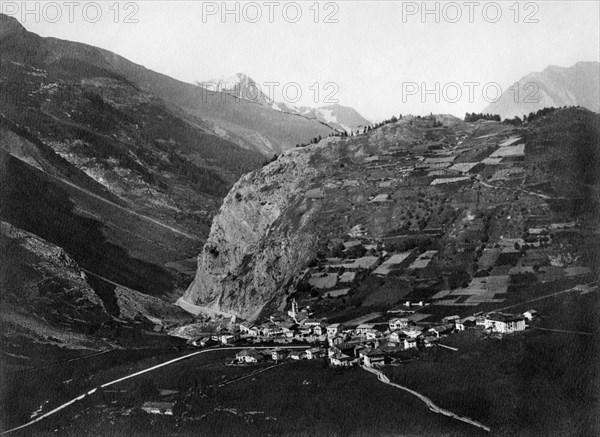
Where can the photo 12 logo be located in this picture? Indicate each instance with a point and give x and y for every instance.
(453, 92)
(288, 92)
(270, 12)
(71, 12)
(469, 12)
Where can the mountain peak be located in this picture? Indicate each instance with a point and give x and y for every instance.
(228, 83)
(239, 85)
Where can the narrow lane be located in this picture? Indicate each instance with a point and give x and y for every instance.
(433, 407)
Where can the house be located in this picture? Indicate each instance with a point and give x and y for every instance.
(530, 314)
(165, 408)
(248, 356)
(320, 329)
(226, 339)
(245, 328)
(333, 351)
(364, 328)
(412, 331)
(480, 322)
(341, 360)
(397, 336)
(468, 322)
(504, 323)
(371, 357)
(450, 319)
(373, 334)
(441, 330)
(398, 323)
(204, 342)
(304, 330)
(336, 341)
(334, 329)
(428, 341)
(278, 354)
(297, 355)
(270, 330)
(459, 325)
(287, 328)
(314, 353)
(410, 343)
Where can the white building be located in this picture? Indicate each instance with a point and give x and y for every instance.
(398, 323)
(248, 356)
(165, 408)
(504, 323)
(334, 329)
(410, 343)
(341, 360)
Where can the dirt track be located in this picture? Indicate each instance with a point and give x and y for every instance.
(433, 407)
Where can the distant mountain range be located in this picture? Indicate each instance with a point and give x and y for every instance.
(250, 125)
(241, 86)
(578, 85)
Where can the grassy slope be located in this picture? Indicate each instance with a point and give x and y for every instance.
(536, 383)
(300, 398)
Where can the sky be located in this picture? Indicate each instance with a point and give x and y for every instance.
(383, 58)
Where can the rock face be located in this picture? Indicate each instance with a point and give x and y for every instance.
(44, 292)
(271, 225)
(260, 239)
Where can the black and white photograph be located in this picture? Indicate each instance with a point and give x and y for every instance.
(299, 218)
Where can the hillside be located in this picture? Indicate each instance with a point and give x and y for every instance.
(44, 292)
(239, 122)
(437, 197)
(123, 182)
(578, 85)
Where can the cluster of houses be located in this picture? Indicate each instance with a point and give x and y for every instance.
(367, 344)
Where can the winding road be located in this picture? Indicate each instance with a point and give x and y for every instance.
(433, 407)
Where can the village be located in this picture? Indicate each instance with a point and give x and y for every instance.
(344, 345)
(414, 266)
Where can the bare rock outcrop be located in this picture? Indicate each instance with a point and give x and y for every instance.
(261, 238)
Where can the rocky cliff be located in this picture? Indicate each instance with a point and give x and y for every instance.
(260, 239)
(272, 222)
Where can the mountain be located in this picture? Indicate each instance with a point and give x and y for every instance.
(252, 126)
(240, 86)
(411, 186)
(122, 181)
(340, 117)
(578, 85)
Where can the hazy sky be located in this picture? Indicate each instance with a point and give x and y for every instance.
(374, 53)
